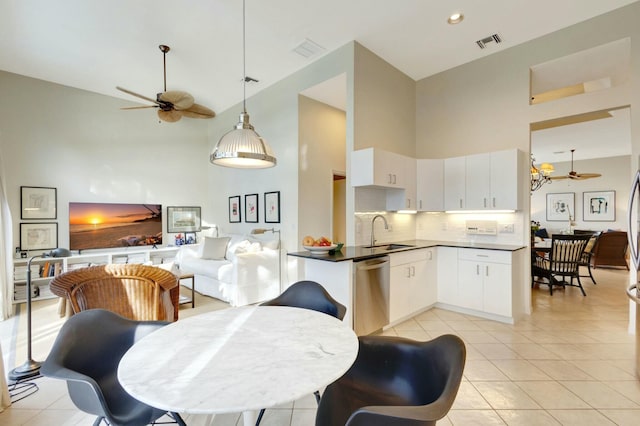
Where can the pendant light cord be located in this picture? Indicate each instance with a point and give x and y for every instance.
(244, 61)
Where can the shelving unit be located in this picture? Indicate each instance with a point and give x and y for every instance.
(40, 282)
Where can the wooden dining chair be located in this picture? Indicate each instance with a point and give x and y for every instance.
(563, 262)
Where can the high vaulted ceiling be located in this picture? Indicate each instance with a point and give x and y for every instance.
(96, 45)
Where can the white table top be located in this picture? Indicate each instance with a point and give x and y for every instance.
(238, 359)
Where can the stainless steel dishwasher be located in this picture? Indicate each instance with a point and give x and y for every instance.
(371, 295)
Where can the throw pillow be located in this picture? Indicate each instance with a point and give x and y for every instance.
(214, 248)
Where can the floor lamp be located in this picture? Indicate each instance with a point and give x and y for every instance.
(31, 368)
(259, 231)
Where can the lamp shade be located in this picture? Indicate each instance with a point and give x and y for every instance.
(243, 148)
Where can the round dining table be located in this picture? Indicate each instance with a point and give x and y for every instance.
(238, 360)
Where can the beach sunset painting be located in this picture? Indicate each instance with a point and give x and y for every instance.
(107, 225)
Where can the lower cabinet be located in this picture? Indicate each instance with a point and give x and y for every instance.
(484, 281)
(412, 281)
(448, 275)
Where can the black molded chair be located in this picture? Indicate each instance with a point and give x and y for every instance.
(307, 295)
(563, 262)
(396, 381)
(86, 354)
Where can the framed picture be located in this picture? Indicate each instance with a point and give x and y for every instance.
(272, 207)
(183, 219)
(190, 238)
(251, 208)
(38, 236)
(561, 206)
(234, 209)
(38, 202)
(599, 206)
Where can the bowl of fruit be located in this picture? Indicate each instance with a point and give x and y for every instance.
(320, 246)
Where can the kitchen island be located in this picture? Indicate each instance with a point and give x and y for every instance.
(474, 278)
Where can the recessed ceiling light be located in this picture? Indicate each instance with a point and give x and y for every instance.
(455, 18)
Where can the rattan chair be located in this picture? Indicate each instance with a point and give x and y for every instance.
(136, 292)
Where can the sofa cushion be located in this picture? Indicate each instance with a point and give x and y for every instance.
(214, 248)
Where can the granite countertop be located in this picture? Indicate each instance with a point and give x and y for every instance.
(357, 253)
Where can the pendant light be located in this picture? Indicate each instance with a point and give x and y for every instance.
(243, 147)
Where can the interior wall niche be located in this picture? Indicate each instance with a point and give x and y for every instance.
(587, 71)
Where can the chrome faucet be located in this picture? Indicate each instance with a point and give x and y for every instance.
(373, 221)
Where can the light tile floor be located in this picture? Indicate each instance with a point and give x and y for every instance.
(572, 362)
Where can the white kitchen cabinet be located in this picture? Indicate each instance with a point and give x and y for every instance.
(430, 185)
(409, 291)
(478, 182)
(485, 281)
(506, 182)
(488, 181)
(492, 181)
(405, 198)
(447, 275)
(454, 183)
(375, 167)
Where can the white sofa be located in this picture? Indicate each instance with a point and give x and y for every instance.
(238, 269)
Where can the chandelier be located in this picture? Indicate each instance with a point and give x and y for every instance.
(541, 175)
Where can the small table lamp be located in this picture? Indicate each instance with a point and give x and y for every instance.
(31, 368)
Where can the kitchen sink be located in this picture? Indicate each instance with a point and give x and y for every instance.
(389, 246)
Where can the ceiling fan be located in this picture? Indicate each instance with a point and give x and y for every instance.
(575, 175)
(173, 104)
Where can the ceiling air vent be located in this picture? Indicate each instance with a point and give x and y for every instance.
(495, 38)
(308, 48)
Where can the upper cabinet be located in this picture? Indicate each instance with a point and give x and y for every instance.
(454, 183)
(430, 185)
(375, 167)
(488, 181)
(372, 167)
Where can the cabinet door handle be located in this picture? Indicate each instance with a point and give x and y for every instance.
(389, 181)
(394, 179)
(408, 271)
(430, 255)
(420, 204)
(494, 201)
(413, 271)
(477, 269)
(486, 272)
(460, 202)
(485, 202)
(408, 203)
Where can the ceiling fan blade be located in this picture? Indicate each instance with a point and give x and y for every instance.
(122, 89)
(198, 111)
(588, 175)
(169, 116)
(141, 107)
(179, 100)
(559, 177)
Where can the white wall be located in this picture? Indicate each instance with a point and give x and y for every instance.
(322, 151)
(615, 177)
(82, 144)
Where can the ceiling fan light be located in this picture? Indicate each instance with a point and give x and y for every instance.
(243, 148)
